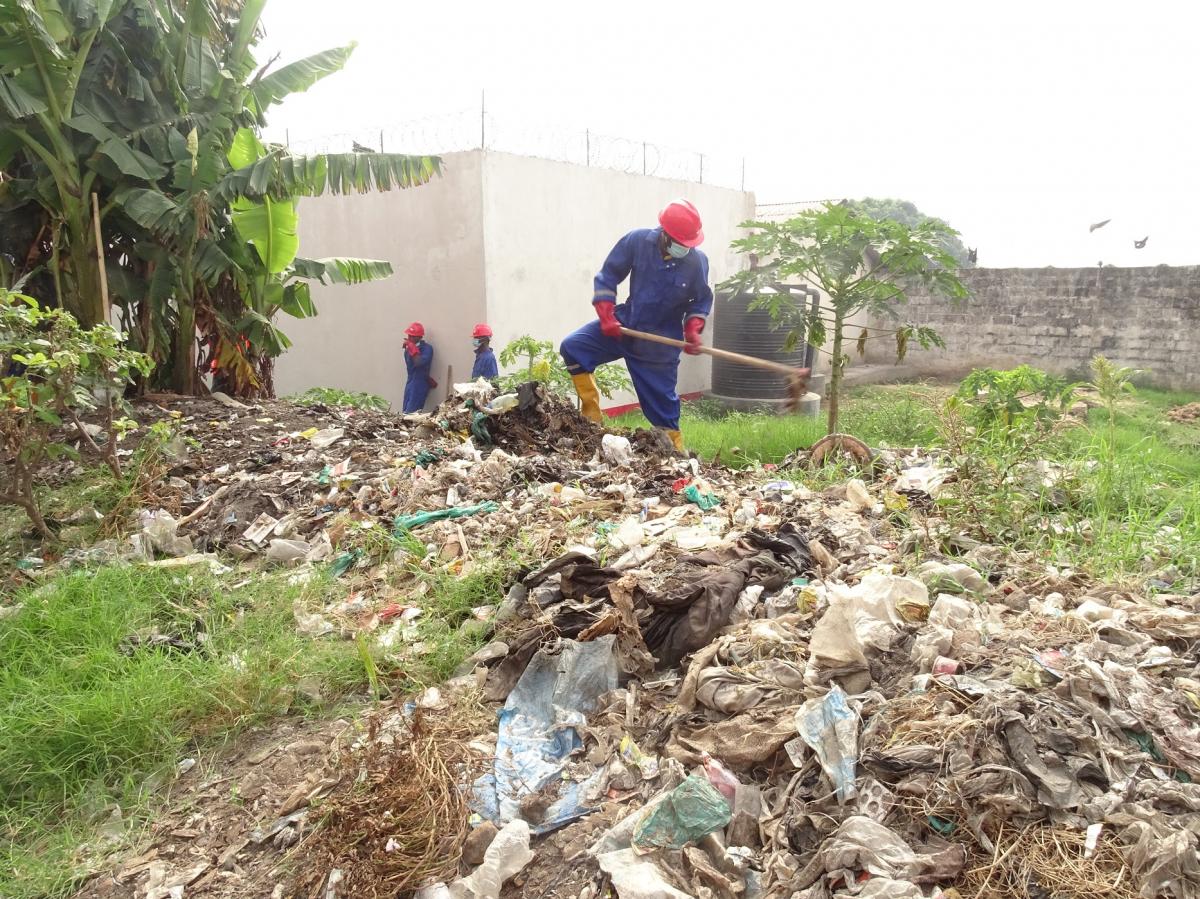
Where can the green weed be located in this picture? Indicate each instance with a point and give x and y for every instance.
(882, 416)
(332, 396)
(448, 627)
(97, 709)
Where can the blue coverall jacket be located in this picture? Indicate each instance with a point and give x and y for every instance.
(485, 364)
(416, 390)
(663, 294)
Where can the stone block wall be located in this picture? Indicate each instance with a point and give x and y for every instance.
(1057, 319)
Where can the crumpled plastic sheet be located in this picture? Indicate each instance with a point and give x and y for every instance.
(1164, 856)
(539, 729)
(861, 619)
(753, 664)
(863, 845)
(830, 728)
(690, 811)
(735, 689)
(741, 741)
(635, 877)
(954, 623)
(408, 522)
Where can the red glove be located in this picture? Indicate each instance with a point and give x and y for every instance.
(609, 326)
(692, 330)
(412, 349)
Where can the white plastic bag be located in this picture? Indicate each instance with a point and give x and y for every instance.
(616, 450)
(506, 857)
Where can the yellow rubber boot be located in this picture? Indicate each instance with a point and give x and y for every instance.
(589, 395)
(677, 439)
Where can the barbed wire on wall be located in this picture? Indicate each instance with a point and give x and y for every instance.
(475, 129)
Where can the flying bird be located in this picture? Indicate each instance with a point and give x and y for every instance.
(1092, 228)
(1138, 244)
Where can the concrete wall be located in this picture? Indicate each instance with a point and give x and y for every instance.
(433, 237)
(549, 225)
(1057, 319)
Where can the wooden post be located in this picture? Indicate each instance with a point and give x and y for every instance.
(100, 259)
(449, 381)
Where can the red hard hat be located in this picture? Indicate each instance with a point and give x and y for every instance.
(681, 221)
(481, 330)
(416, 329)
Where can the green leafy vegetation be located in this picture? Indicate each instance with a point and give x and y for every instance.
(538, 360)
(882, 416)
(1009, 403)
(907, 213)
(860, 263)
(332, 396)
(1116, 496)
(54, 373)
(107, 676)
(129, 155)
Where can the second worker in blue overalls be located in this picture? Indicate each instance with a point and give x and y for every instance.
(668, 295)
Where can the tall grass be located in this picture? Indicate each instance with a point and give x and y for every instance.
(895, 417)
(1129, 504)
(92, 712)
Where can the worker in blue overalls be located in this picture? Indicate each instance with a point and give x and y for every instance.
(418, 360)
(485, 360)
(668, 295)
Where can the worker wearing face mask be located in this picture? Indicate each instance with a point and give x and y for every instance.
(418, 360)
(485, 360)
(668, 295)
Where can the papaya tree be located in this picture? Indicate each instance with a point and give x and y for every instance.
(860, 263)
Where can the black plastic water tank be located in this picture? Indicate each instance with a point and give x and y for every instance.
(750, 333)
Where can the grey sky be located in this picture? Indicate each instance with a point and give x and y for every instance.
(1018, 122)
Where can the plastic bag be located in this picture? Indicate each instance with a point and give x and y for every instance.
(691, 811)
(408, 522)
(507, 856)
(723, 780)
(539, 729)
(705, 501)
(830, 729)
(616, 450)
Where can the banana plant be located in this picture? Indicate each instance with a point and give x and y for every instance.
(153, 105)
(57, 158)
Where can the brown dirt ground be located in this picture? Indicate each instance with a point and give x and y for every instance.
(212, 811)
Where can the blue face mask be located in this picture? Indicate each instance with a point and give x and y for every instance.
(677, 250)
(478, 342)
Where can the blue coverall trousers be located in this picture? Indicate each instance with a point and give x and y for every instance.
(654, 372)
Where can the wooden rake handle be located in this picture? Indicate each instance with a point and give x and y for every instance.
(721, 354)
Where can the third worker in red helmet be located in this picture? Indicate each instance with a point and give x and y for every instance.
(668, 295)
(485, 360)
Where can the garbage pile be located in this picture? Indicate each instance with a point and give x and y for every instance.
(900, 735)
(1185, 413)
(787, 700)
(726, 684)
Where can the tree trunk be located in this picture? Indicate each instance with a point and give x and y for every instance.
(21, 495)
(83, 299)
(835, 375)
(183, 374)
